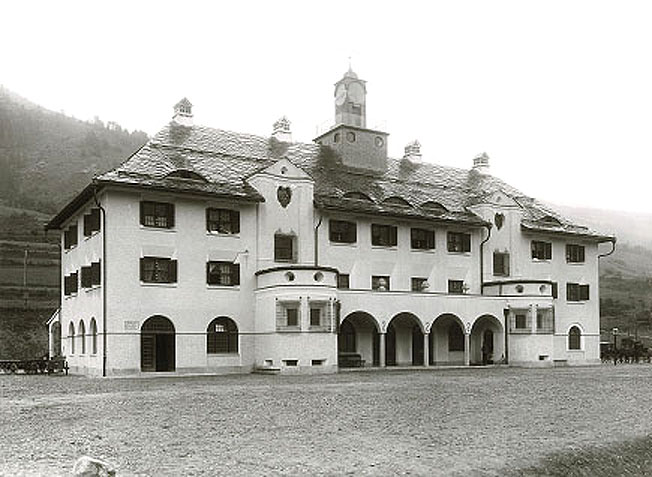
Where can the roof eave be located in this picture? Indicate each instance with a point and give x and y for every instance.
(568, 233)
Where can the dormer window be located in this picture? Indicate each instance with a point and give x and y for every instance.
(395, 200)
(186, 174)
(357, 196)
(549, 220)
(435, 207)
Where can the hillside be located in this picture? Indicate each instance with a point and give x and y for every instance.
(46, 157)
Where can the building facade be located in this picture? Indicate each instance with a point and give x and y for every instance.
(209, 251)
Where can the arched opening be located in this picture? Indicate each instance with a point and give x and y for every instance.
(446, 341)
(574, 338)
(71, 337)
(93, 336)
(487, 341)
(404, 341)
(358, 341)
(82, 337)
(157, 345)
(222, 336)
(55, 334)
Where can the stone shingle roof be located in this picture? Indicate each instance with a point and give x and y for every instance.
(226, 159)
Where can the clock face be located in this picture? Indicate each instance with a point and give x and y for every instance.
(356, 93)
(340, 95)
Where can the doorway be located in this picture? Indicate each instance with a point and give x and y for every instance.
(157, 345)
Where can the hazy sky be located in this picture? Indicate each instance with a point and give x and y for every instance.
(558, 93)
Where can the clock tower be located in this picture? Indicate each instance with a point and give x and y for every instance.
(356, 145)
(350, 100)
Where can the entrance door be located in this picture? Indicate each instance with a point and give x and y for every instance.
(417, 346)
(157, 345)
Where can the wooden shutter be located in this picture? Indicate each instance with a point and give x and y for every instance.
(584, 292)
(142, 216)
(86, 281)
(170, 213)
(555, 291)
(393, 235)
(235, 274)
(581, 253)
(96, 273)
(95, 220)
(466, 241)
(235, 222)
(173, 271)
(142, 269)
(548, 255)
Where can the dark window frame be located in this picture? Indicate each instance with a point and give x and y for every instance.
(316, 312)
(577, 292)
(222, 340)
(222, 221)
(501, 264)
(222, 273)
(384, 235)
(375, 282)
(343, 281)
(70, 237)
(416, 284)
(541, 250)
(458, 242)
(342, 231)
(422, 239)
(157, 215)
(92, 222)
(575, 338)
(456, 287)
(278, 248)
(292, 316)
(575, 253)
(152, 271)
(71, 284)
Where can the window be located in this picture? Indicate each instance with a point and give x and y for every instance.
(342, 280)
(82, 337)
(70, 284)
(342, 232)
(545, 322)
(93, 336)
(456, 287)
(292, 316)
(455, 337)
(380, 283)
(383, 235)
(574, 338)
(419, 284)
(157, 214)
(315, 316)
(422, 239)
(222, 336)
(459, 242)
(96, 273)
(350, 136)
(71, 336)
(223, 221)
(284, 248)
(501, 264)
(91, 222)
(574, 253)
(158, 270)
(70, 237)
(223, 273)
(86, 280)
(541, 250)
(577, 292)
(521, 321)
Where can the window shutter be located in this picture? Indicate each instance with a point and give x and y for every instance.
(142, 267)
(208, 220)
(581, 254)
(548, 251)
(496, 263)
(466, 242)
(173, 271)
(431, 239)
(208, 273)
(171, 216)
(95, 222)
(353, 232)
(568, 253)
(555, 291)
(95, 273)
(506, 264)
(235, 221)
(392, 235)
(569, 292)
(142, 216)
(235, 274)
(584, 292)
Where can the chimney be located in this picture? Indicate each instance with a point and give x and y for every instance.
(413, 151)
(282, 131)
(481, 163)
(183, 113)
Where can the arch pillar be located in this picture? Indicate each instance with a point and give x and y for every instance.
(426, 349)
(381, 339)
(467, 344)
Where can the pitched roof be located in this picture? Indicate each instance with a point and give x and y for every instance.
(226, 159)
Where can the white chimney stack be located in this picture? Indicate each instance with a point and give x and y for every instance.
(282, 131)
(183, 113)
(481, 163)
(413, 151)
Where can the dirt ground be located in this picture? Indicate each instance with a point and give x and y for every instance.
(418, 422)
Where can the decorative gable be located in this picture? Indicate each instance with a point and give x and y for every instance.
(284, 169)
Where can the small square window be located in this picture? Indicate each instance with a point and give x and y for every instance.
(541, 250)
(284, 248)
(419, 284)
(343, 280)
(70, 237)
(341, 231)
(157, 214)
(383, 235)
(574, 253)
(315, 316)
(380, 283)
(501, 264)
(223, 273)
(223, 221)
(292, 316)
(422, 239)
(458, 242)
(456, 287)
(520, 321)
(158, 270)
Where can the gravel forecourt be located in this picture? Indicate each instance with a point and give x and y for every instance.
(472, 421)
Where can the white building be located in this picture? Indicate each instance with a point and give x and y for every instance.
(213, 251)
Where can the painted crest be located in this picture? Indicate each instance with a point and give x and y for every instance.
(284, 196)
(499, 219)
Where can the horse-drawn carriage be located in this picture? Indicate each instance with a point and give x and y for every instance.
(630, 351)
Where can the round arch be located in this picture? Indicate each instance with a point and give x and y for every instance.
(404, 340)
(157, 344)
(93, 332)
(71, 337)
(575, 341)
(222, 336)
(358, 340)
(487, 340)
(446, 340)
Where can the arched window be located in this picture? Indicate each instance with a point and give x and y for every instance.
(357, 196)
(93, 336)
(71, 337)
(395, 200)
(186, 174)
(455, 337)
(82, 337)
(432, 206)
(222, 336)
(574, 338)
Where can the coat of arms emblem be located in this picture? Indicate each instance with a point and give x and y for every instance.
(499, 219)
(284, 195)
